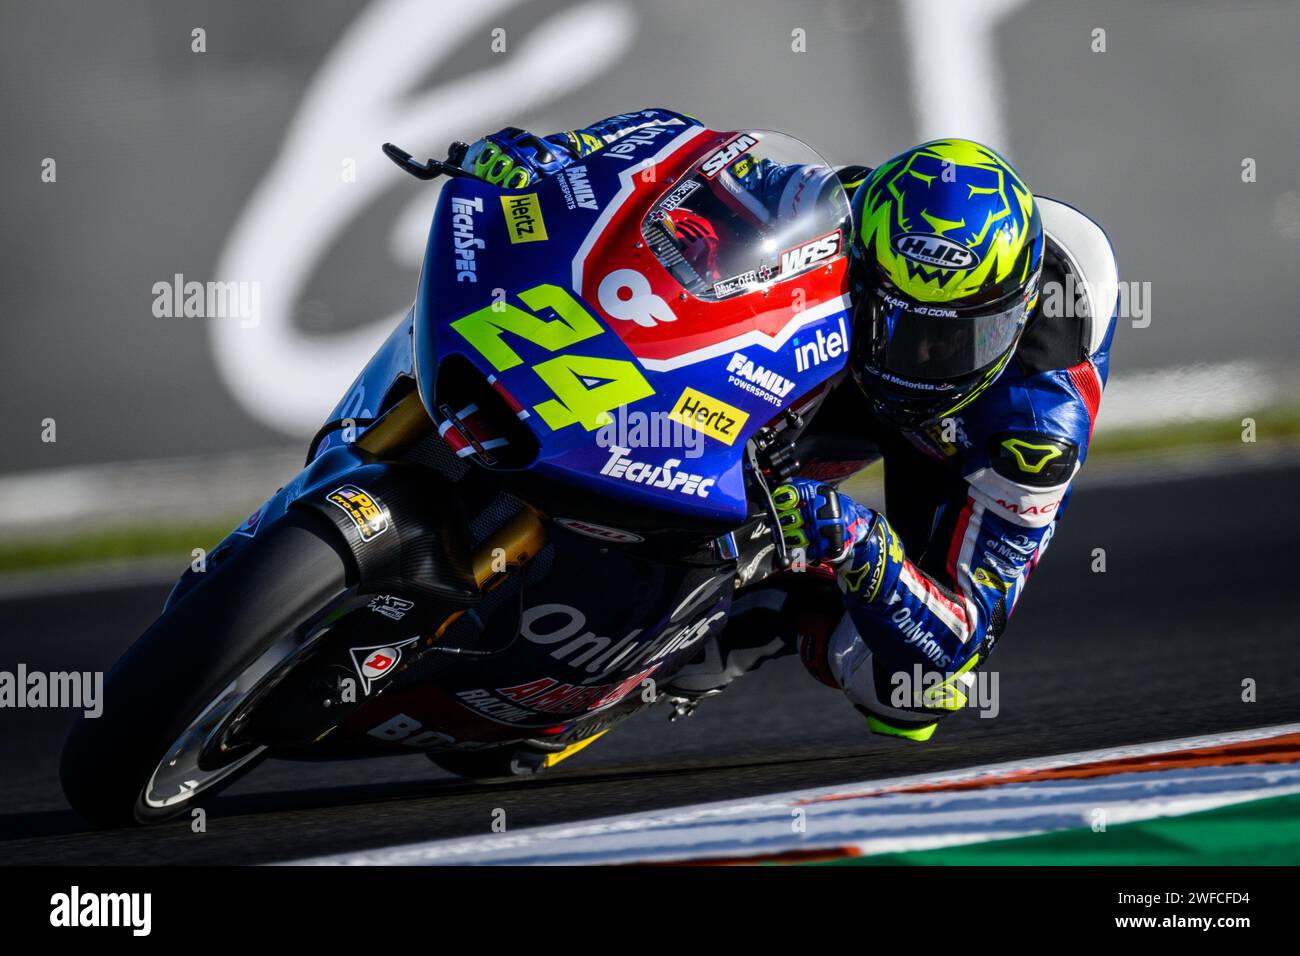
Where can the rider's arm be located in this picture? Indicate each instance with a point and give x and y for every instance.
(949, 598)
(936, 586)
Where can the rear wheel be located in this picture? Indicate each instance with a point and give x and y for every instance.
(166, 735)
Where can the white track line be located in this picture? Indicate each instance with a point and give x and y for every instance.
(868, 816)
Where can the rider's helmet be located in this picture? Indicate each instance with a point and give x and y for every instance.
(946, 260)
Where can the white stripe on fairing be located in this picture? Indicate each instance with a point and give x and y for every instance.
(873, 819)
(620, 197)
(753, 337)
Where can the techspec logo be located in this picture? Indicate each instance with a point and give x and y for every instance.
(666, 476)
(462, 230)
(76, 909)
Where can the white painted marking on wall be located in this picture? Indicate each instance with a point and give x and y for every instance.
(358, 100)
(957, 84)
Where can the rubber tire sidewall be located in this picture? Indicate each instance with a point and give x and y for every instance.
(274, 584)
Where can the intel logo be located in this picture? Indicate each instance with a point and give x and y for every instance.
(935, 251)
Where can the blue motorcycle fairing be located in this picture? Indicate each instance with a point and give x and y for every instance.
(472, 217)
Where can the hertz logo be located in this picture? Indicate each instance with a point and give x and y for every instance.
(524, 222)
(708, 415)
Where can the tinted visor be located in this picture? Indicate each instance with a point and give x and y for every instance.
(933, 342)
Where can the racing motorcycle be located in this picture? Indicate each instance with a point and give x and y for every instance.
(565, 476)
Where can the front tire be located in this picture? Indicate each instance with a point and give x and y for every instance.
(217, 642)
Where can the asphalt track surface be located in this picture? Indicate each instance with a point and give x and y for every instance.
(1198, 595)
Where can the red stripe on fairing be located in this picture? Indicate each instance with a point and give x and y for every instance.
(958, 536)
(454, 439)
(511, 402)
(1088, 384)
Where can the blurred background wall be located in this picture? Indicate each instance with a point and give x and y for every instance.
(257, 160)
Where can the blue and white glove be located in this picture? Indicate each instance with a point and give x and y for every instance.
(819, 520)
(514, 158)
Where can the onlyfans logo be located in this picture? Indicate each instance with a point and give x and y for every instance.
(360, 98)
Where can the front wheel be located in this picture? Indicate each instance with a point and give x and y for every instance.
(161, 741)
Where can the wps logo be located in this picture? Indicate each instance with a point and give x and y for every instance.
(524, 221)
(810, 253)
(935, 251)
(703, 413)
(723, 157)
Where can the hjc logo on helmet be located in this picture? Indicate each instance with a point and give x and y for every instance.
(935, 251)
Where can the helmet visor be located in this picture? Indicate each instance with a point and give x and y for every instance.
(919, 341)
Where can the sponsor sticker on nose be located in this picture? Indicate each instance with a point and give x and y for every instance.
(708, 415)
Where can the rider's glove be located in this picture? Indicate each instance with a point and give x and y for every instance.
(514, 158)
(819, 520)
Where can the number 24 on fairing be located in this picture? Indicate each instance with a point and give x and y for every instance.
(567, 374)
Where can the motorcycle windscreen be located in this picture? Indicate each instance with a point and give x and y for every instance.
(761, 209)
